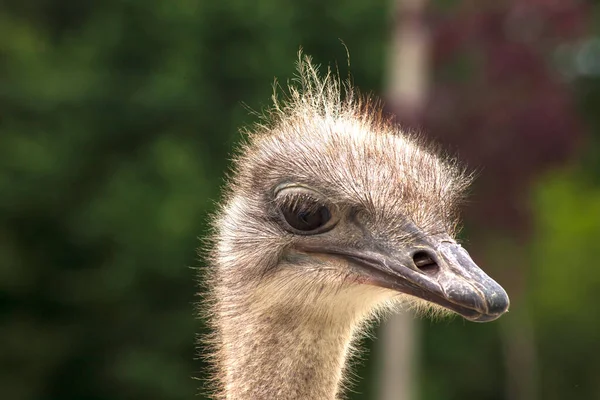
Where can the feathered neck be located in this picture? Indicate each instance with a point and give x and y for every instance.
(280, 355)
(284, 336)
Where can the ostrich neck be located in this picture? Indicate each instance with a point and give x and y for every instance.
(281, 353)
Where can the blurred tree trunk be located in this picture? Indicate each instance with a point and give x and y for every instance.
(405, 94)
(520, 356)
(508, 257)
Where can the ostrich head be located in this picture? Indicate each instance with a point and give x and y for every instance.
(334, 211)
(330, 214)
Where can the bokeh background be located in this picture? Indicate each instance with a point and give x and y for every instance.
(116, 120)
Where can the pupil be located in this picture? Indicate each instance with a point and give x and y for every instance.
(303, 216)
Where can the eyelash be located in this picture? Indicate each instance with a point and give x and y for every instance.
(294, 200)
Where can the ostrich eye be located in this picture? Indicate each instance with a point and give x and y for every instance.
(303, 212)
(305, 217)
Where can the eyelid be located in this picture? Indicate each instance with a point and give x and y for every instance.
(294, 185)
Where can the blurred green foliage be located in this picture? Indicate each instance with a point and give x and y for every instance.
(116, 118)
(567, 281)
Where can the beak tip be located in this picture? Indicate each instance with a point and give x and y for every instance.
(497, 304)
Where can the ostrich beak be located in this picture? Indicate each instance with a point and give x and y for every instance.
(439, 271)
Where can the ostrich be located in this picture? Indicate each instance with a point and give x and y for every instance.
(331, 215)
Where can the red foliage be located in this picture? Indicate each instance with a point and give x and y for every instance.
(510, 114)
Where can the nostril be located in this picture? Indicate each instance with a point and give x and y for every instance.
(425, 263)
